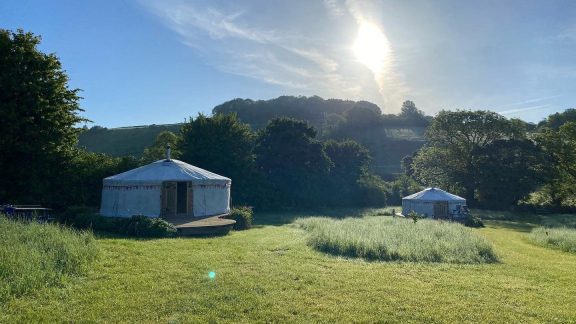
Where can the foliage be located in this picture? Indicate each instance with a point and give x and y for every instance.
(473, 220)
(142, 226)
(562, 238)
(508, 170)
(135, 226)
(35, 256)
(414, 216)
(401, 187)
(558, 119)
(560, 145)
(223, 145)
(455, 138)
(243, 215)
(83, 178)
(122, 141)
(39, 113)
(394, 239)
(157, 151)
(294, 162)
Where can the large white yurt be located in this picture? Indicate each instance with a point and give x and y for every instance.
(166, 188)
(434, 202)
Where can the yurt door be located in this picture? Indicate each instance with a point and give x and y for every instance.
(441, 209)
(182, 197)
(169, 198)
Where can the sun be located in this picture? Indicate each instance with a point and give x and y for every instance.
(371, 47)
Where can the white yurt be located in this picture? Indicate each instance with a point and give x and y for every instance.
(434, 202)
(166, 188)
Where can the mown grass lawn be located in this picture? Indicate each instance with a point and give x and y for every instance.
(269, 274)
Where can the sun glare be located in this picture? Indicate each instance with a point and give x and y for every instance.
(371, 47)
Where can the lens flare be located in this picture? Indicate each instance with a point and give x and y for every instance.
(371, 47)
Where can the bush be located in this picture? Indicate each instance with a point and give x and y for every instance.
(397, 239)
(562, 238)
(136, 226)
(243, 216)
(142, 226)
(473, 221)
(34, 255)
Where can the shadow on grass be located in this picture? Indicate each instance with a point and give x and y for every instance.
(524, 221)
(510, 225)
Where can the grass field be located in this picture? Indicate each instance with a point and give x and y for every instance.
(40, 255)
(398, 239)
(562, 238)
(269, 274)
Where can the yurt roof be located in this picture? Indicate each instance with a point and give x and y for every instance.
(166, 170)
(434, 194)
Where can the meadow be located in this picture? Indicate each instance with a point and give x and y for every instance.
(398, 239)
(270, 274)
(560, 238)
(33, 256)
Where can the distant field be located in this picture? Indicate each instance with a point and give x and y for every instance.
(270, 274)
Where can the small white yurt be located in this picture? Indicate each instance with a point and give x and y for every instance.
(166, 188)
(433, 202)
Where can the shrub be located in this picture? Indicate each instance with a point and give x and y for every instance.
(473, 221)
(397, 239)
(243, 216)
(562, 238)
(136, 226)
(34, 255)
(414, 216)
(142, 226)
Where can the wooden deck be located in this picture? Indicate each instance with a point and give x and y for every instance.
(211, 225)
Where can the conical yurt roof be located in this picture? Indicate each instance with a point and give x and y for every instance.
(166, 170)
(434, 194)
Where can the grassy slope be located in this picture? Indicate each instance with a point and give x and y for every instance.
(269, 274)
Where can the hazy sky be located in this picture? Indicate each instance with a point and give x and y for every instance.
(160, 61)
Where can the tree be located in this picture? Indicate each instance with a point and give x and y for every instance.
(350, 162)
(292, 160)
(454, 137)
(224, 145)
(39, 115)
(560, 146)
(508, 170)
(157, 151)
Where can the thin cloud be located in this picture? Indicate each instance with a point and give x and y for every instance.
(512, 111)
(241, 42)
(533, 100)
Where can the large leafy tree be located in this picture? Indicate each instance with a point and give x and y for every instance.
(350, 164)
(560, 146)
(157, 150)
(508, 170)
(294, 162)
(449, 160)
(37, 125)
(224, 145)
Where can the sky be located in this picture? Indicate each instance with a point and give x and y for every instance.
(161, 61)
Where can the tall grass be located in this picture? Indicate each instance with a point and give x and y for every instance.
(389, 239)
(34, 255)
(562, 238)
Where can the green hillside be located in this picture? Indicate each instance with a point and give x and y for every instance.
(122, 141)
(389, 137)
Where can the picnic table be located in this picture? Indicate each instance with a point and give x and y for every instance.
(27, 212)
